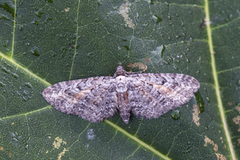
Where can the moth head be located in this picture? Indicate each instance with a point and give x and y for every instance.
(120, 71)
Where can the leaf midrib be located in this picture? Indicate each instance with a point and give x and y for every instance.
(215, 77)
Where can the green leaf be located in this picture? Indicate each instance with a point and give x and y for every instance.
(45, 42)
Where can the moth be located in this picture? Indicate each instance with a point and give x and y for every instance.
(146, 95)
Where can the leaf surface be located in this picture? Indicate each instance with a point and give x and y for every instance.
(45, 42)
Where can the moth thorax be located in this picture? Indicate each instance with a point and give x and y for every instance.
(121, 85)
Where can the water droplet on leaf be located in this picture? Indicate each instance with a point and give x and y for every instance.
(90, 134)
(15, 75)
(7, 8)
(20, 27)
(49, 1)
(47, 19)
(238, 82)
(25, 91)
(207, 98)
(238, 104)
(156, 19)
(145, 24)
(35, 51)
(5, 44)
(175, 114)
(178, 36)
(2, 84)
(38, 13)
(34, 21)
